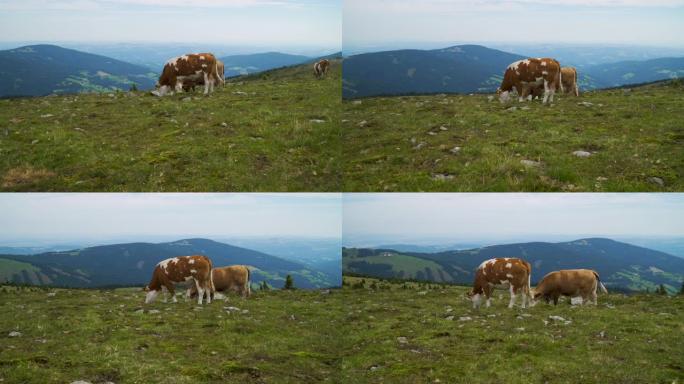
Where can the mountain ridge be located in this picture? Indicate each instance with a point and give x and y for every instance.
(621, 265)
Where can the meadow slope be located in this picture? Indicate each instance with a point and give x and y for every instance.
(429, 334)
(276, 131)
(633, 139)
(105, 335)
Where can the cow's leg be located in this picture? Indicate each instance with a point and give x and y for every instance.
(165, 294)
(206, 83)
(207, 287)
(172, 291)
(546, 92)
(511, 303)
(524, 298)
(522, 95)
(555, 299)
(200, 292)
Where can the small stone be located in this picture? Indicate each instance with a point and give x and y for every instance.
(317, 121)
(224, 124)
(530, 163)
(420, 145)
(585, 103)
(601, 178)
(443, 128)
(373, 368)
(556, 318)
(449, 318)
(402, 340)
(14, 334)
(362, 123)
(512, 109)
(51, 294)
(153, 311)
(442, 177)
(465, 318)
(657, 180)
(521, 329)
(455, 150)
(582, 154)
(356, 102)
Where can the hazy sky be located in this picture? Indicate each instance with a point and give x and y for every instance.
(90, 216)
(241, 22)
(640, 22)
(471, 216)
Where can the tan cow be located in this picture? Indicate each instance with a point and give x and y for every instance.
(569, 282)
(188, 68)
(569, 80)
(189, 85)
(232, 278)
(507, 273)
(194, 269)
(526, 75)
(321, 68)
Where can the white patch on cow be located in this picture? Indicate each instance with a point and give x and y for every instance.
(201, 57)
(545, 72)
(164, 263)
(509, 265)
(193, 271)
(151, 296)
(173, 62)
(188, 278)
(486, 262)
(509, 275)
(204, 65)
(192, 261)
(543, 64)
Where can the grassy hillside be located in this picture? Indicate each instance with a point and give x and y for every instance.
(274, 132)
(468, 143)
(391, 264)
(422, 335)
(101, 336)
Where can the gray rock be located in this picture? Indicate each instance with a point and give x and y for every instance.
(442, 177)
(465, 318)
(530, 163)
(317, 121)
(585, 103)
(186, 99)
(153, 311)
(582, 154)
(455, 150)
(14, 334)
(402, 340)
(657, 180)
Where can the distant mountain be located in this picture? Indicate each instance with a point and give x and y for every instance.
(458, 69)
(132, 264)
(246, 64)
(38, 70)
(478, 69)
(635, 72)
(621, 265)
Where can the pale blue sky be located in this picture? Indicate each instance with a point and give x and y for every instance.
(634, 22)
(461, 217)
(235, 22)
(90, 216)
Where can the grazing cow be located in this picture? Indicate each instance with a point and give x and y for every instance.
(525, 75)
(569, 80)
(569, 282)
(321, 68)
(196, 269)
(232, 278)
(188, 68)
(190, 85)
(510, 273)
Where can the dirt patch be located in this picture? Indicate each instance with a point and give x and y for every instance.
(22, 176)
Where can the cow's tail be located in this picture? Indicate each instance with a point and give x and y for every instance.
(576, 84)
(560, 77)
(216, 73)
(600, 284)
(248, 288)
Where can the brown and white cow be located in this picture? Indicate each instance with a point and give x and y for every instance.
(507, 273)
(195, 269)
(188, 68)
(234, 278)
(526, 75)
(189, 85)
(569, 282)
(321, 68)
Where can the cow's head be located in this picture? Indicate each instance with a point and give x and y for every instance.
(534, 297)
(476, 298)
(151, 295)
(162, 90)
(504, 96)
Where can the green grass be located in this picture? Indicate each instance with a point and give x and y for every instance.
(278, 131)
(625, 339)
(10, 267)
(410, 266)
(98, 336)
(405, 143)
